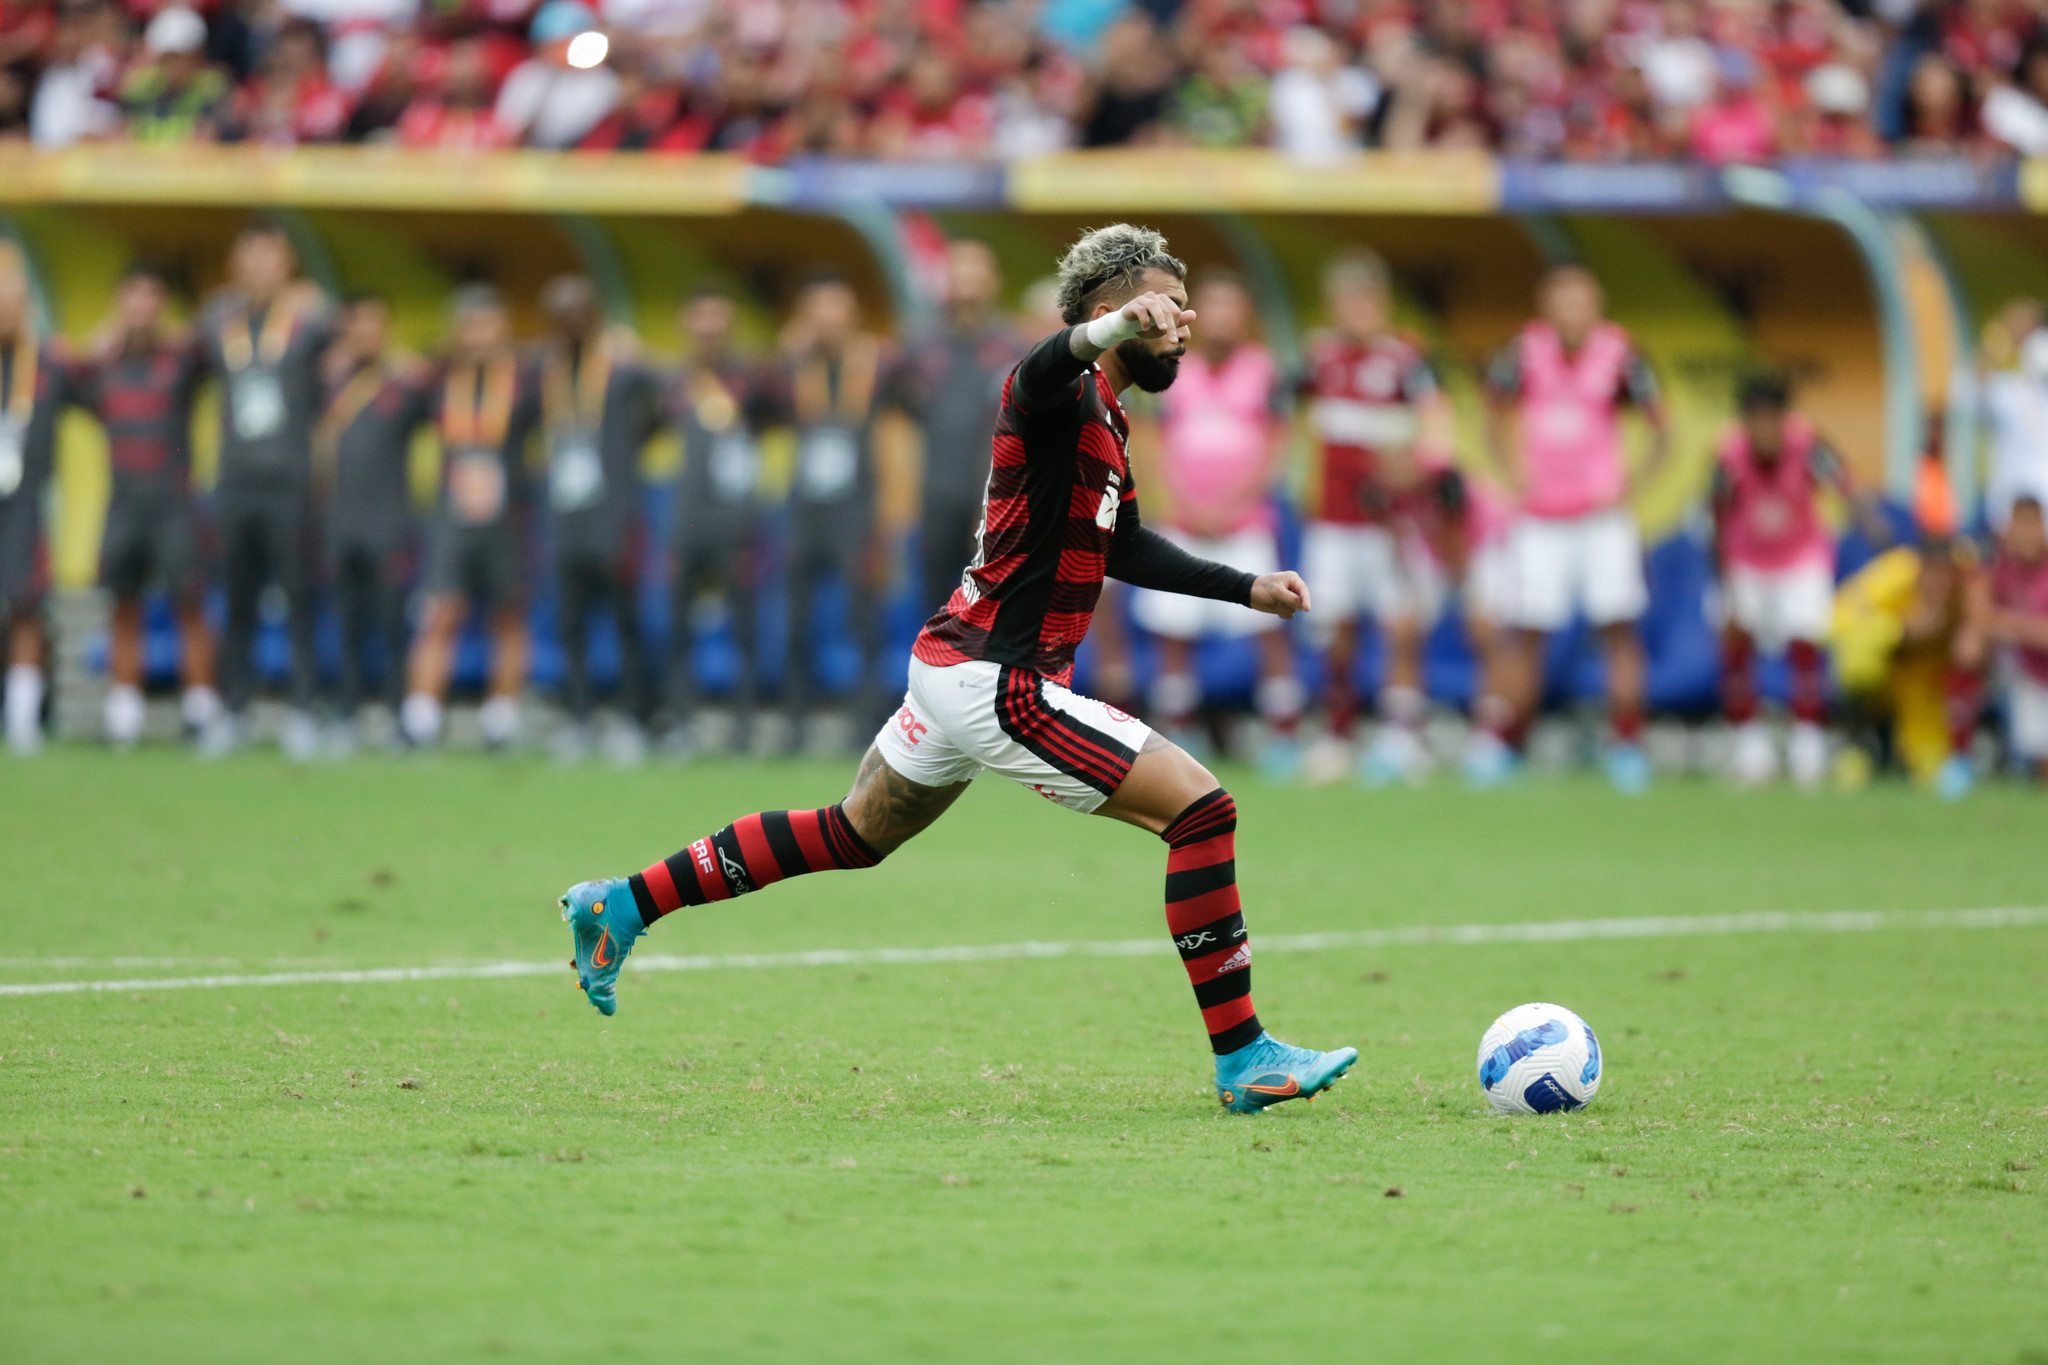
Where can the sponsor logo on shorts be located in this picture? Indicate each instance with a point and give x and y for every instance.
(914, 730)
(735, 875)
(1120, 717)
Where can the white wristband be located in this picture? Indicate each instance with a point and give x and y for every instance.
(1106, 331)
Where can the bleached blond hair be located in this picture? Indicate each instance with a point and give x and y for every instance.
(1110, 260)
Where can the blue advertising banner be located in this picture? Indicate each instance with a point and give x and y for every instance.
(1645, 187)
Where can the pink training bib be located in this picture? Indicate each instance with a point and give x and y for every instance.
(1772, 519)
(1217, 432)
(1572, 460)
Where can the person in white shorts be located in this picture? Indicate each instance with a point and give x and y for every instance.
(1452, 534)
(1777, 563)
(1372, 397)
(1575, 545)
(1220, 443)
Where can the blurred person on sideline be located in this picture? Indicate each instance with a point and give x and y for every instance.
(1577, 551)
(375, 403)
(548, 100)
(831, 383)
(1372, 394)
(951, 382)
(2009, 613)
(32, 390)
(2014, 387)
(1451, 535)
(720, 404)
(600, 405)
(1221, 441)
(1910, 663)
(139, 380)
(264, 337)
(1777, 564)
(173, 95)
(485, 411)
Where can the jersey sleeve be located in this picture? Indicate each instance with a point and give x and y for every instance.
(1048, 373)
(1638, 381)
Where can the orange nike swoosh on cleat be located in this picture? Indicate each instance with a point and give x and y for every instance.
(599, 956)
(1293, 1087)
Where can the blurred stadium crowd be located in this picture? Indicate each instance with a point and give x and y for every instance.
(1443, 578)
(1725, 81)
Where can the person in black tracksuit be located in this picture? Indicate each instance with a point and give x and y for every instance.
(599, 408)
(139, 381)
(719, 405)
(951, 382)
(374, 405)
(831, 384)
(32, 390)
(485, 410)
(264, 339)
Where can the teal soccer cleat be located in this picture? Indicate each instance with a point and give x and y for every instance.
(605, 921)
(1266, 1072)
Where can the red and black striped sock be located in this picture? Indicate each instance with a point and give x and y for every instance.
(748, 854)
(1203, 915)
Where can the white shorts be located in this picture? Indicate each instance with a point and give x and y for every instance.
(1490, 582)
(2026, 706)
(1179, 617)
(957, 720)
(1364, 571)
(1775, 607)
(1569, 565)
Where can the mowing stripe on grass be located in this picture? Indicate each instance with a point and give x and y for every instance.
(1539, 931)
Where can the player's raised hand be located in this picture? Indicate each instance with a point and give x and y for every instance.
(1159, 316)
(1280, 594)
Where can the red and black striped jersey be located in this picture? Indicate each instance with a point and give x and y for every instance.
(1059, 494)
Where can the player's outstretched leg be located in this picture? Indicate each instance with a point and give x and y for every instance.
(1254, 1070)
(883, 810)
(752, 852)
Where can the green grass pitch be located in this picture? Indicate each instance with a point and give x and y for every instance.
(1808, 1147)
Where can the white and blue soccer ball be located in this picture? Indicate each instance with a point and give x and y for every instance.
(1539, 1059)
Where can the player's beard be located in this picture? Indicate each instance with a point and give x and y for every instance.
(1149, 371)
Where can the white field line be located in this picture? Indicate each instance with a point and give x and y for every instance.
(1541, 931)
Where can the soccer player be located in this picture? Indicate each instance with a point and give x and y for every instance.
(599, 408)
(139, 381)
(1777, 564)
(988, 678)
(719, 404)
(1451, 532)
(264, 339)
(32, 389)
(832, 381)
(1372, 394)
(1220, 445)
(951, 382)
(487, 408)
(2009, 610)
(1575, 545)
(375, 403)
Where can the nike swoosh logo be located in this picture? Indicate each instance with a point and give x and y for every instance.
(1293, 1087)
(600, 956)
